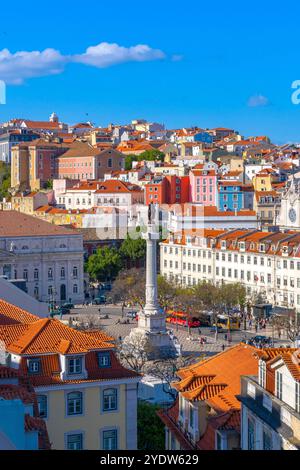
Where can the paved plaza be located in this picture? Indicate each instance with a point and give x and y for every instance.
(115, 326)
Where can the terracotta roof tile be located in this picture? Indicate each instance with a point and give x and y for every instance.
(11, 314)
(17, 224)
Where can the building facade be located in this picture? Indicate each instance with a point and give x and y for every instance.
(270, 417)
(84, 395)
(265, 262)
(48, 257)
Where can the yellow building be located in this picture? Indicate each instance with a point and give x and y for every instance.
(86, 397)
(262, 181)
(28, 202)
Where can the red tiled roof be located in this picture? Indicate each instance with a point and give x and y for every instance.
(17, 224)
(48, 336)
(11, 314)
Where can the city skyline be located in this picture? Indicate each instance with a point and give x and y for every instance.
(123, 64)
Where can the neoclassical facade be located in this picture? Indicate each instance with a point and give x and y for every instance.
(265, 262)
(48, 257)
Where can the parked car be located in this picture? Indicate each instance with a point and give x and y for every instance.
(68, 305)
(260, 339)
(99, 300)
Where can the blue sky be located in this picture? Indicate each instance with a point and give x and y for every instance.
(208, 64)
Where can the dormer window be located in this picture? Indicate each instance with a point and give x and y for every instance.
(262, 247)
(242, 245)
(74, 365)
(34, 366)
(223, 244)
(104, 359)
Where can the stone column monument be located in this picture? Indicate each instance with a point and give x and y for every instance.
(152, 319)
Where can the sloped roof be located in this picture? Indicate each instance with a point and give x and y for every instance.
(17, 224)
(49, 336)
(225, 370)
(11, 314)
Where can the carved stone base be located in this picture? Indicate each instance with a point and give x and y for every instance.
(159, 345)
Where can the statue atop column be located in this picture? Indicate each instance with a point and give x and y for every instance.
(152, 319)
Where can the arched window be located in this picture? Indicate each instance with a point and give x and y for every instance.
(36, 273)
(74, 403)
(109, 399)
(75, 271)
(75, 289)
(50, 273)
(62, 272)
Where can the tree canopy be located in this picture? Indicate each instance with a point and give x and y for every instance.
(133, 249)
(151, 433)
(104, 265)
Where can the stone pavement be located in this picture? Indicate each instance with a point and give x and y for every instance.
(190, 345)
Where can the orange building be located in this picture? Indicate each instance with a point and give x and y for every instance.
(206, 413)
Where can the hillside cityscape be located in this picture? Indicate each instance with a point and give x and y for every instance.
(149, 288)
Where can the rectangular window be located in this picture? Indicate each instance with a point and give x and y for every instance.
(279, 385)
(75, 365)
(104, 359)
(267, 441)
(110, 399)
(110, 440)
(74, 442)
(42, 405)
(34, 366)
(251, 435)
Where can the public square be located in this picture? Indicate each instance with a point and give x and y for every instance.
(117, 326)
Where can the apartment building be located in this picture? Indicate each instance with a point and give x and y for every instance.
(82, 161)
(90, 194)
(84, 395)
(265, 262)
(48, 257)
(203, 186)
(270, 401)
(206, 413)
(34, 163)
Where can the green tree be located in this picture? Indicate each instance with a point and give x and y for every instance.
(105, 264)
(4, 180)
(151, 155)
(128, 161)
(150, 429)
(133, 249)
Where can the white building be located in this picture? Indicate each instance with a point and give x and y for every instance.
(90, 194)
(197, 216)
(48, 257)
(270, 415)
(265, 262)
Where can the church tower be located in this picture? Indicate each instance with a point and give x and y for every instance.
(53, 117)
(289, 215)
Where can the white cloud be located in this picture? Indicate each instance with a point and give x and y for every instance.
(177, 57)
(258, 101)
(17, 67)
(105, 54)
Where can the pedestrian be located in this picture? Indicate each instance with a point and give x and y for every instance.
(256, 327)
(223, 347)
(225, 336)
(99, 310)
(199, 331)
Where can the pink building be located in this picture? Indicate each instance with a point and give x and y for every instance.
(203, 186)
